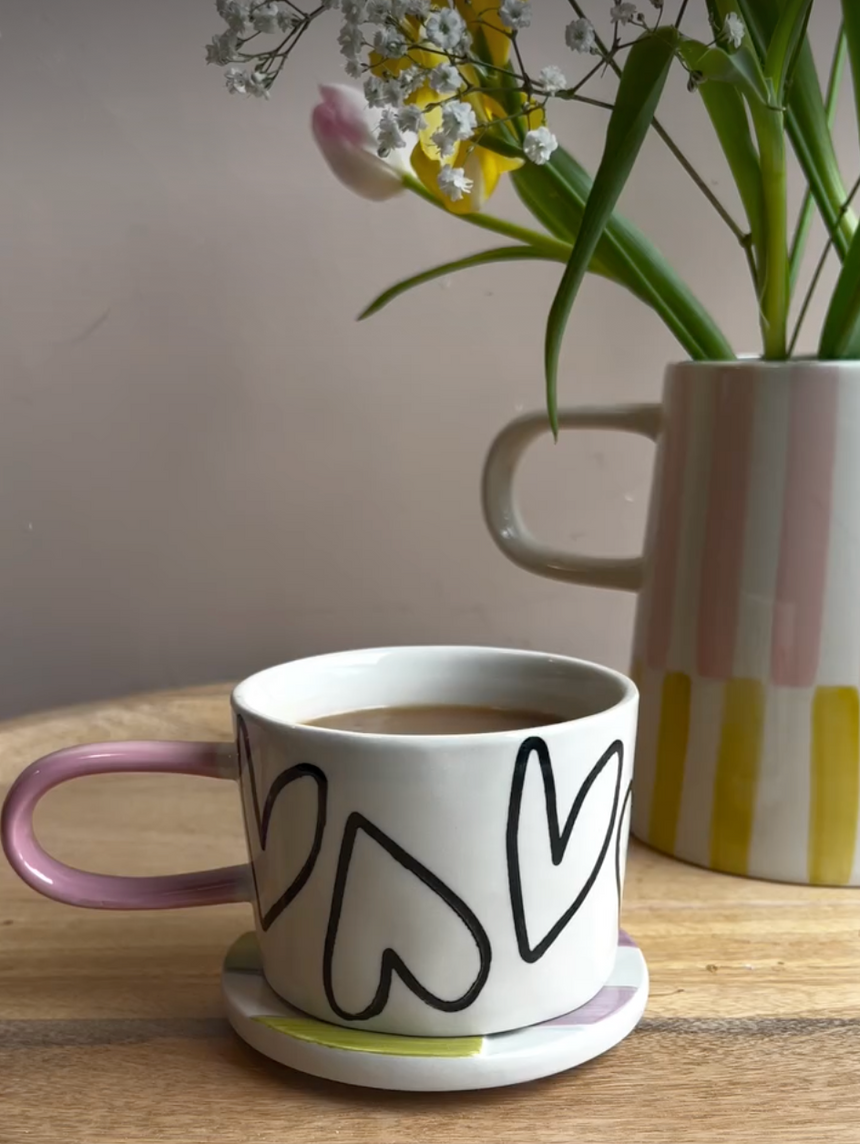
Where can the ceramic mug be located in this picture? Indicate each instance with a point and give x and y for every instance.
(430, 885)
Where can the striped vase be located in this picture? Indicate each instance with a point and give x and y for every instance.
(747, 644)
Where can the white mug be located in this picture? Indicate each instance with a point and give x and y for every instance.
(428, 885)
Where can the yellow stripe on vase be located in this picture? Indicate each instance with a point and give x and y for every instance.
(736, 781)
(835, 785)
(671, 757)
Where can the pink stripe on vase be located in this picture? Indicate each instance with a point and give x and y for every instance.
(725, 528)
(667, 541)
(802, 572)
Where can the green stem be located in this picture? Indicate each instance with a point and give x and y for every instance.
(770, 132)
(551, 247)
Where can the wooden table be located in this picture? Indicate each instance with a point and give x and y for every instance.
(110, 1024)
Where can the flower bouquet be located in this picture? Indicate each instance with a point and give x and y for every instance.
(450, 105)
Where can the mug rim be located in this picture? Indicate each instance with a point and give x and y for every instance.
(628, 693)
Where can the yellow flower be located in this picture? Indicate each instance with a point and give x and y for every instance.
(482, 20)
(482, 166)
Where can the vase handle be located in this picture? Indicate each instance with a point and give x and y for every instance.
(502, 514)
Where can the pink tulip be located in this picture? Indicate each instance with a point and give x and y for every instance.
(343, 128)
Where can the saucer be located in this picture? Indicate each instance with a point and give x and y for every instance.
(430, 1064)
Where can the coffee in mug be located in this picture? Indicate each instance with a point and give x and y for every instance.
(425, 719)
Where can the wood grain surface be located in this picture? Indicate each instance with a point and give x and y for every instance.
(110, 1023)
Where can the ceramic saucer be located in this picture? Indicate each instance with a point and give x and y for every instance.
(430, 1064)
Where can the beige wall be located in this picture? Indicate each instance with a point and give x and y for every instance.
(207, 466)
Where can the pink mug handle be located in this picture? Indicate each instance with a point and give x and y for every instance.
(108, 891)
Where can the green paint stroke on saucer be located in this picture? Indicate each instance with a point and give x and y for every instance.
(244, 955)
(362, 1041)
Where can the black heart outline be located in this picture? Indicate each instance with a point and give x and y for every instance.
(391, 961)
(291, 775)
(558, 840)
(628, 800)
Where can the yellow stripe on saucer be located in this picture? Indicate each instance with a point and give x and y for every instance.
(736, 781)
(671, 756)
(835, 785)
(364, 1041)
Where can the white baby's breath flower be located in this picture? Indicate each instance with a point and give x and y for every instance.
(552, 80)
(579, 35)
(351, 40)
(458, 118)
(388, 134)
(378, 11)
(445, 79)
(390, 43)
(419, 8)
(458, 123)
(257, 84)
(445, 29)
(445, 144)
(374, 90)
(734, 30)
(539, 145)
(393, 94)
(237, 15)
(410, 80)
(236, 80)
(221, 49)
(623, 13)
(353, 69)
(266, 18)
(515, 13)
(354, 11)
(411, 118)
(454, 183)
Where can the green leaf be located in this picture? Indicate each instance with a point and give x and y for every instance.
(807, 210)
(728, 114)
(851, 15)
(557, 194)
(841, 336)
(552, 201)
(498, 254)
(785, 43)
(813, 144)
(642, 81)
(806, 122)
